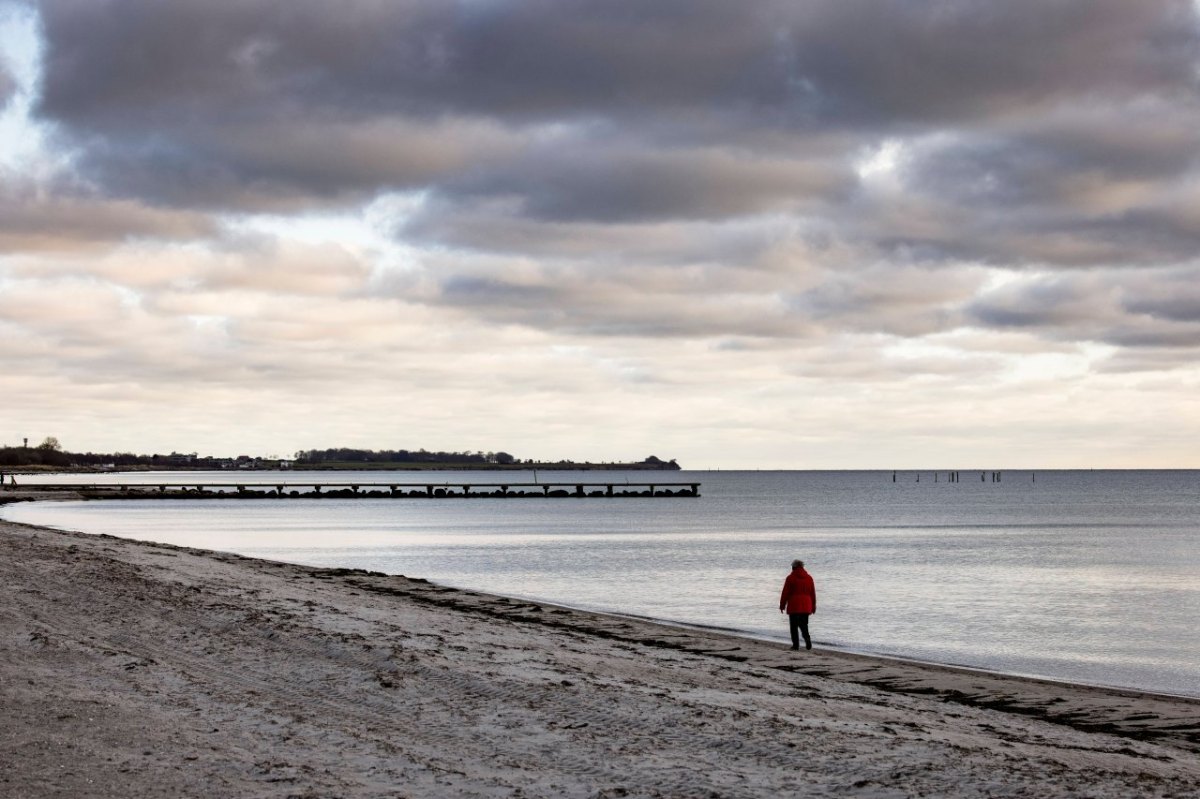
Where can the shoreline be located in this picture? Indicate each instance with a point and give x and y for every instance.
(827, 648)
(139, 669)
(36, 494)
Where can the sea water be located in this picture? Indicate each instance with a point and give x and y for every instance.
(1085, 576)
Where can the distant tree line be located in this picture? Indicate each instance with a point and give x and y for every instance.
(50, 455)
(348, 455)
(345, 455)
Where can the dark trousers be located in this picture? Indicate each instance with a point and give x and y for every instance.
(798, 623)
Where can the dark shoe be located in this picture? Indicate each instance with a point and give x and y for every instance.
(808, 644)
(795, 649)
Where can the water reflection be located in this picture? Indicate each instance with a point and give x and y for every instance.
(1081, 575)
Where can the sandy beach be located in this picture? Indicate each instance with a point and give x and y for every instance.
(134, 669)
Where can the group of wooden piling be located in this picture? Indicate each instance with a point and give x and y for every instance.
(956, 477)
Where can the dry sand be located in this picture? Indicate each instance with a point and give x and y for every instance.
(141, 670)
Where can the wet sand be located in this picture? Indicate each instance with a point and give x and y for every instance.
(148, 670)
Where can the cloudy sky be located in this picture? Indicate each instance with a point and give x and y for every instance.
(787, 233)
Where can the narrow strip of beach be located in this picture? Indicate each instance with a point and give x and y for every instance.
(131, 669)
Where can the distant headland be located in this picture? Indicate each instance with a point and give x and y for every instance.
(50, 456)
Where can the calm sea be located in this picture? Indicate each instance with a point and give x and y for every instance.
(1086, 576)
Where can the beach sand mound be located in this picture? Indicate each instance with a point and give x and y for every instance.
(143, 670)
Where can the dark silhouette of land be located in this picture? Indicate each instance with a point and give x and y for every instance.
(50, 456)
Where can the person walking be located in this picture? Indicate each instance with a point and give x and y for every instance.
(798, 601)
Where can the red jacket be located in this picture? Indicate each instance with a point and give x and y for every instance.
(799, 594)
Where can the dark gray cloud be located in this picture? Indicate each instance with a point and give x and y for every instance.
(1160, 313)
(125, 63)
(199, 100)
(1142, 237)
(903, 61)
(1152, 360)
(684, 168)
(1042, 304)
(65, 219)
(265, 165)
(1080, 188)
(1175, 300)
(618, 299)
(592, 180)
(896, 299)
(1151, 309)
(1035, 169)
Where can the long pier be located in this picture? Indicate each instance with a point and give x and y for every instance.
(328, 489)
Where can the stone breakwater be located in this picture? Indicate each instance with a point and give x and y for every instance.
(325, 490)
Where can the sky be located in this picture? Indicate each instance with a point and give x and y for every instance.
(743, 234)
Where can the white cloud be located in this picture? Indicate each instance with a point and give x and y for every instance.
(879, 166)
(776, 239)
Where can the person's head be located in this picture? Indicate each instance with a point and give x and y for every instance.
(797, 564)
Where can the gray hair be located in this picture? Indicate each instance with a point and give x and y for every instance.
(797, 564)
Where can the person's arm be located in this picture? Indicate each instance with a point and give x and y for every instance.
(785, 595)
